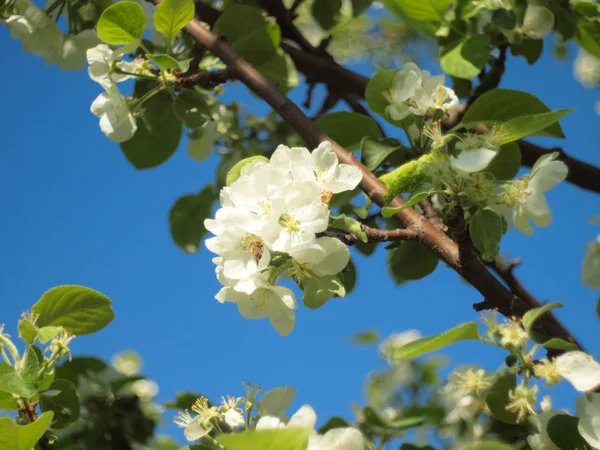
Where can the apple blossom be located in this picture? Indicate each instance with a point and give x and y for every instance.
(116, 120)
(587, 409)
(538, 21)
(102, 60)
(275, 401)
(586, 69)
(541, 440)
(590, 274)
(579, 369)
(476, 153)
(337, 439)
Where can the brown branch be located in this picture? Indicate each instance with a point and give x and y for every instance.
(470, 269)
(206, 80)
(28, 410)
(373, 235)
(432, 215)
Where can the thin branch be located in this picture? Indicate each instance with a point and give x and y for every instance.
(471, 269)
(432, 215)
(28, 410)
(373, 235)
(207, 80)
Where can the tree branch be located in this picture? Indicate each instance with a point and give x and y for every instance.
(377, 235)
(207, 80)
(470, 269)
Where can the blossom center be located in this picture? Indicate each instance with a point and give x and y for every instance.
(326, 195)
(290, 223)
(254, 244)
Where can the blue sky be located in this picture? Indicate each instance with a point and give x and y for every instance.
(76, 212)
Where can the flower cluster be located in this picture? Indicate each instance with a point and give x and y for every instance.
(586, 69)
(107, 68)
(39, 34)
(417, 92)
(268, 224)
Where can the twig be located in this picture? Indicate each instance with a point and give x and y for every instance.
(471, 269)
(432, 215)
(207, 80)
(377, 235)
(28, 410)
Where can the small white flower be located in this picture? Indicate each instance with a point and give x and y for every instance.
(200, 425)
(275, 302)
(276, 401)
(526, 194)
(541, 440)
(74, 48)
(586, 69)
(590, 274)
(145, 389)
(232, 415)
(326, 256)
(116, 120)
(101, 60)
(128, 363)
(305, 417)
(579, 369)
(337, 439)
(234, 419)
(476, 153)
(587, 409)
(538, 21)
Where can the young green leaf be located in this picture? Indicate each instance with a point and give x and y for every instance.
(507, 162)
(373, 151)
(186, 218)
(23, 437)
(122, 23)
(13, 383)
(373, 418)
(317, 290)
(171, 16)
(530, 125)
(497, 398)
(421, 192)
(163, 61)
(532, 315)
(191, 109)
(562, 430)
(28, 331)
(202, 141)
(326, 12)
(486, 230)
(411, 261)
(359, 6)
(467, 58)
(348, 128)
(379, 85)
(63, 400)
(588, 37)
(8, 401)
(278, 439)
(80, 310)
(348, 224)
(425, 10)
(30, 365)
(559, 344)
(463, 332)
(280, 69)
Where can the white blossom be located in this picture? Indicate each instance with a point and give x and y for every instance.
(102, 60)
(116, 120)
(587, 408)
(128, 363)
(526, 195)
(538, 21)
(586, 69)
(590, 274)
(337, 439)
(541, 440)
(74, 48)
(416, 91)
(326, 256)
(579, 369)
(305, 417)
(276, 401)
(145, 389)
(476, 153)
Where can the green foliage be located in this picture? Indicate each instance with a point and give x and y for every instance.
(420, 192)
(249, 33)
(463, 332)
(531, 49)
(280, 69)
(500, 106)
(522, 126)
(349, 225)
(497, 398)
(236, 170)
(122, 23)
(559, 344)
(27, 331)
(191, 109)
(186, 218)
(158, 134)
(588, 37)
(317, 290)
(506, 163)
(348, 128)
(78, 309)
(562, 429)
(531, 316)
(80, 366)
(183, 401)
(486, 228)
(426, 10)
(166, 62)
(360, 6)
(63, 400)
(326, 12)
(368, 337)
(12, 382)
(171, 16)
(411, 261)
(373, 151)
(22, 437)
(466, 58)
(332, 423)
(278, 439)
(376, 420)
(202, 141)
(381, 83)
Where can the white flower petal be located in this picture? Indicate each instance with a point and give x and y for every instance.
(269, 423)
(589, 418)
(276, 401)
(580, 369)
(335, 257)
(305, 417)
(538, 210)
(590, 274)
(472, 160)
(234, 419)
(196, 430)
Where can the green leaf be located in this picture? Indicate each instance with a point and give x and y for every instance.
(202, 141)
(463, 332)
(8, 402)
(349, 225)
(326, 12)
(183, 401)
(23, 437)
(186, 218)
(373, 418)
(368, 337)
(80, 366)
(381, 83)
(486, 445)
(163, 61)
(467, 58)
(530, 125)
(422, 191)
(280, 69)
(158, 133)
(373, 151)
(559, 344)
(63, 400)
(426, 10)
(28, 331)
(30, 367)
(348, 128)
(530, 317)
(332, 423)
(80, 310)
(360, 6)
(248, 33)
(171, 16)
(279, 439)
(13, 383)
(236, 171)
(588, 37)
(122, 23)
(317, 290)
(348, 276)
(191, 109)
(501, 105)
(507, 162)
(411, 261)
(562, 429)
(46, 334)
(497, 398)
(486, 229)
(531, 49)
